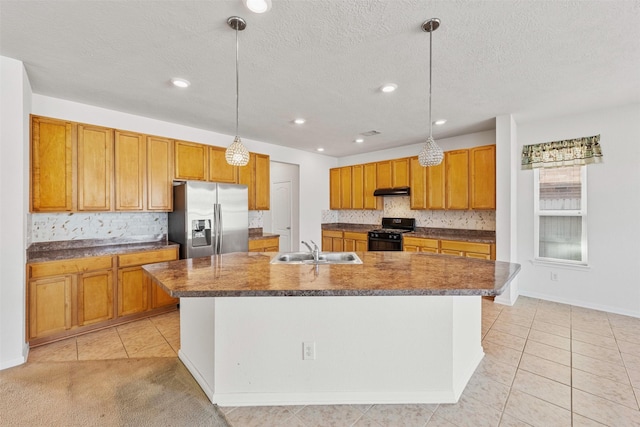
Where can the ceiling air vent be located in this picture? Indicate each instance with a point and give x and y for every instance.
(370, 133)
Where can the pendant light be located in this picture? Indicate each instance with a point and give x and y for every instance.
(431, 154)
(237, 154)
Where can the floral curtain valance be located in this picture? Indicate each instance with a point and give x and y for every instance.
(568, 152)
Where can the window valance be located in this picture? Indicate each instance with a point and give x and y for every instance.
(568, 152)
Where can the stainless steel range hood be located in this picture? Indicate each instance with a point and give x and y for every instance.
(395, 191)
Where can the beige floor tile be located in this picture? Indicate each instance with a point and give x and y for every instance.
(401, 415)
(546, 368)
(550, 339)
(486, 390)
(505, 339)
(60, 351)
(611, 371)
(509, 421)
(136, 327)
(500, 372)
(469, 412)
(501, 353)
(136, 340)
(594, 339)
(543, 388)
(547, 352)
(262, 416)
(511, 328)
(634, 377)
(536, 412)
(627, 335)
(628, 347)
(516, 319)
(161, 350)
(637, 392)
(329, 415)
(559, 319)
(105, 344)
(631, 361)
(592, 327)
(603, 410)
(596, 352)
(366, 422)
(562, 331)
(436, 421)
(607, 389)
(580, 421)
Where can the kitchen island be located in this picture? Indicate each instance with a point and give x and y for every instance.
(398, 328)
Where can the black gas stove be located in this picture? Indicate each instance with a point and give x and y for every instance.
(389, 237)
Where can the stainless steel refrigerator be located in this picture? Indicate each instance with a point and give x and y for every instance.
(209, 218)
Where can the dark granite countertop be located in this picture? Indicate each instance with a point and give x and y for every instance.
(258, 234)
(243, 274)
(477, 236)
(69, 249)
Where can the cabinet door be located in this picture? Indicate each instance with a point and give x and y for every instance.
(418, 184)
(483, 177)
(159, 173)
(435, 186)
(95, 297)
(369, 186)
(219, 169)
(383, 174)
(348, 245)
(159, 297)
(52, 143)
(400, 172)
(334, 188)
(246, 177)
(357, 187)
(262, 182)
(332, 241)
(130, 164)
(362, 245)
(133, 291)
(457, 179)
(190, 160)
(49, 305)
(345, 187)
(95, 168)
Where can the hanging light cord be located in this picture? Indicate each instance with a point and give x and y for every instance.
(430, 52)
(238, 81)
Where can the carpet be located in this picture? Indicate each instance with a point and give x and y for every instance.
(122, 392)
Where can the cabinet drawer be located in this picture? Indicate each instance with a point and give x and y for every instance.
(69, 266)
(479, 248)
(259, 245)
(420, 241)
(332, 233)
(354, 235)
(149, 257)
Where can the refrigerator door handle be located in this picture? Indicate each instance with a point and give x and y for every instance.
(214, 229)
(219, 221)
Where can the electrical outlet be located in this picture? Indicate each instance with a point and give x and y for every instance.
(554, 276)
(309, 350)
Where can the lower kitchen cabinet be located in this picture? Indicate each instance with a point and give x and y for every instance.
(73, 296)
(468, 249)
(267, 244)
(354, 241)
(420, 244)
(332, 241)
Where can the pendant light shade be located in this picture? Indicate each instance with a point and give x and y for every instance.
(431, 154)
(237, 154)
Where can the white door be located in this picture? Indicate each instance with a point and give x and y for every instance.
(281, 213)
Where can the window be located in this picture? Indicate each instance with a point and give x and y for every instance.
(561, 214)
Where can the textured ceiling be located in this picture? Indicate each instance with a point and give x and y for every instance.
(325, 60)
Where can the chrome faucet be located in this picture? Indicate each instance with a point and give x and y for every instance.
(315, 251)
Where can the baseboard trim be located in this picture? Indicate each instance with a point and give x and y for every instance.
(582, 304)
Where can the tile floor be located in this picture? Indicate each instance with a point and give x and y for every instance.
(546, 364)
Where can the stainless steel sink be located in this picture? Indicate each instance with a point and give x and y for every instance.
(323, 258)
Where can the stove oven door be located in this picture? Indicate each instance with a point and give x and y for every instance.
(384, 244)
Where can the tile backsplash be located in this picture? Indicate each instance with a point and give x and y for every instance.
(399, 206)
(104, 225)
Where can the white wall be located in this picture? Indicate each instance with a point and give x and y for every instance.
(464, 141)
(612, 281)
(15, 98)
(314, 175)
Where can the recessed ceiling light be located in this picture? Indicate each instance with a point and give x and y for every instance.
(181, 83)
(359, 140)
(389, 87)
(440, 122)
(320, 149)
(258, 6)
(299, 121)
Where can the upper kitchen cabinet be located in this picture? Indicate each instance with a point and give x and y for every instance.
(436, 186)
(457, 179)
(345, 187)
(52, 148)
(256, 176)
(219, 169)
(369, 186)
(418, 184)
(191, 161)
(357, 187)
(483, 177)
(393, 173)
(334, 188)
(95, 168)
(159, 174)
(130, 164)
